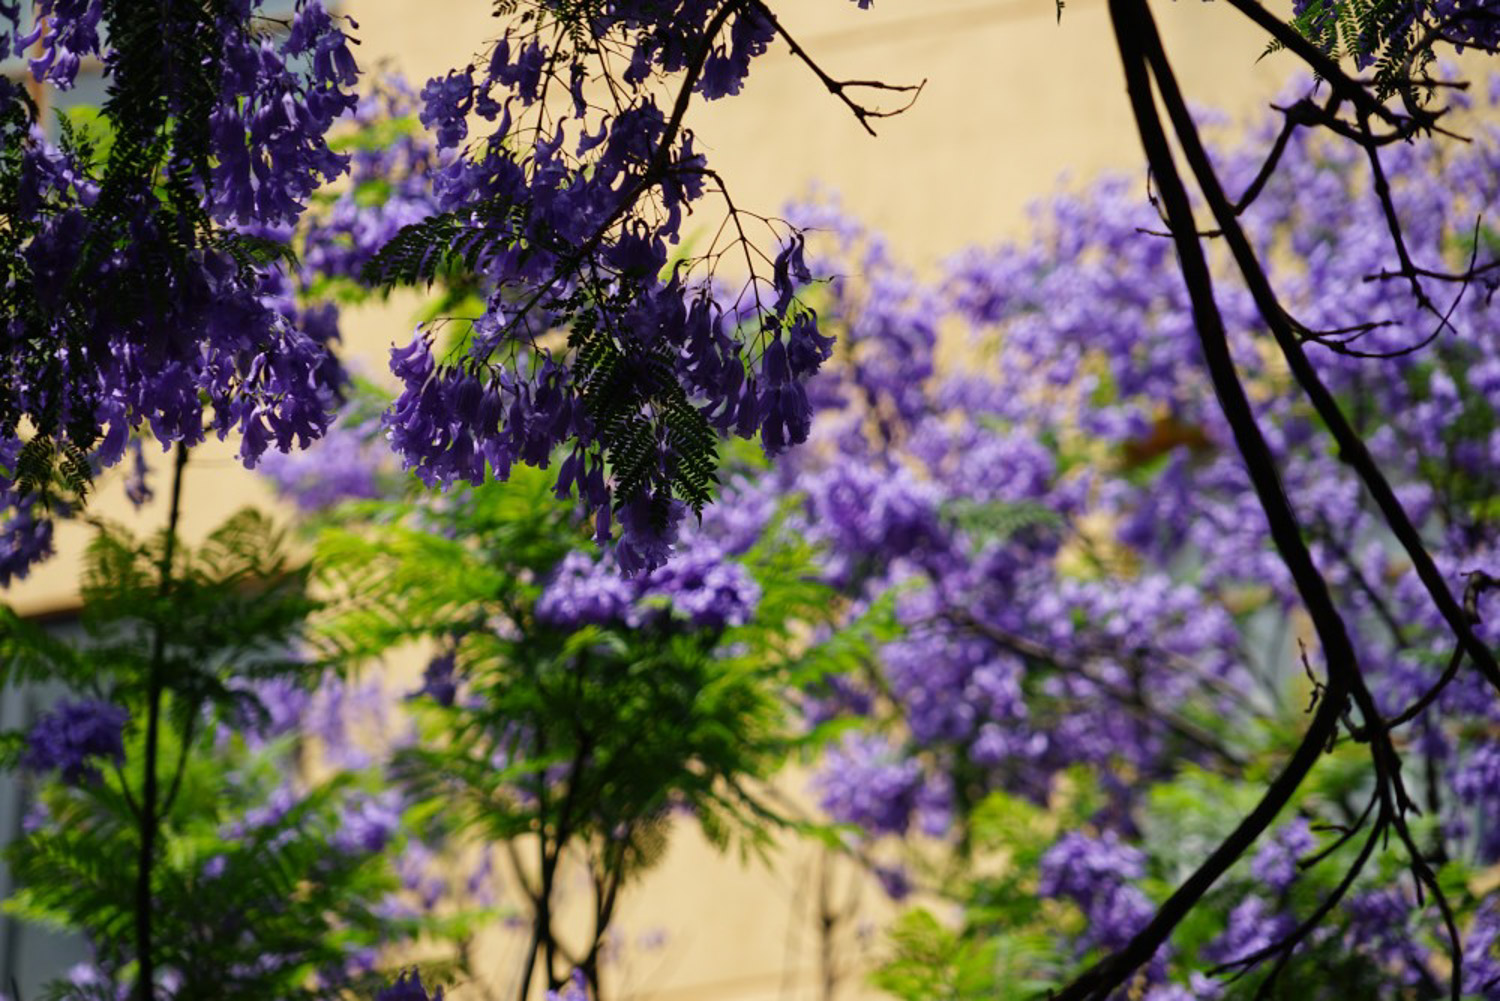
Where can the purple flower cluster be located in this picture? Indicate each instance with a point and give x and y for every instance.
(1379, 924)
(945, 489)
(264, 815)
(369, 822)
(867, 510)
(278, 104)
(65, 31)
(1481, 957)
(391, 169)
(866, 781)
(1477, 780)
(954, 687)
(1251, 927)
(1095, 874)
(350, 721)
(1467, 23)
(421, 874)
(69, 738)
(204, 337)
(26, 531)
(282, 705)
(585, 591)
(1081, 569)
(346, 463)
(576, 989)
(438, 682)
(1275, 864)
(566, 214)
(1081, 868)
(701, 585)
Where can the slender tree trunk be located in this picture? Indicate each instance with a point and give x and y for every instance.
(155, 683)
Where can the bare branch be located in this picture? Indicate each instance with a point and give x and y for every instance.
(840, 88)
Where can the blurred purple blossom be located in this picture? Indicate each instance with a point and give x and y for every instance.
(70, 737)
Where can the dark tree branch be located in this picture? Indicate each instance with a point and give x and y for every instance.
(1479, 582)
(1136, 702)
(1382, 188)
(1131, 21)
(1304, 112)
(840, 88)
(1284, 947)
(1140, 34)
(1351, 445)
(1354, 91)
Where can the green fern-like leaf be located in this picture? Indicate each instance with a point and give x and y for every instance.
(461, 239)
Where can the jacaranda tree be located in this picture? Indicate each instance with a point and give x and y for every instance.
(155, 286)
(1100, 655)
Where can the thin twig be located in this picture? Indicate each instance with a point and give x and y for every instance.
(840, 88)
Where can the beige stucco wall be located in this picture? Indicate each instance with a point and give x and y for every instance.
(1013, 99)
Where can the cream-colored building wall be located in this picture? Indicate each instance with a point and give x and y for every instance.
(1013, 99)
